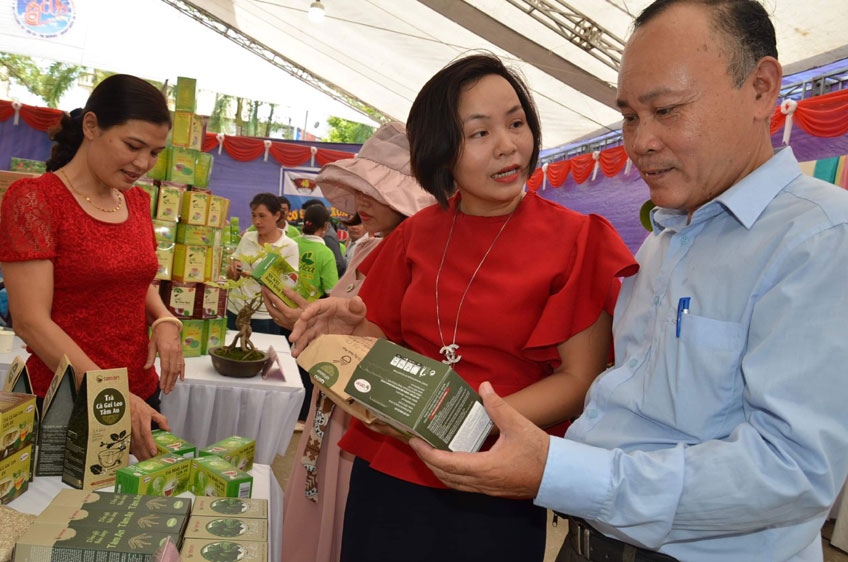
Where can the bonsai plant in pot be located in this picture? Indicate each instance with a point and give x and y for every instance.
(241, 358)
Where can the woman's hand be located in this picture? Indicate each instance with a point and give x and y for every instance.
(167, 342)
(333, 315)
(282, 314)
(142, 444)
(234, 270)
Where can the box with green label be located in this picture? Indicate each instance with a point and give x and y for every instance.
(152, 191)
(236, 450)
(165, 475)
(194, 234)
(169, 203)
(130, 520)
(181, 129)
(189, 263)
(274, 272)
(185, 94)
(105, 501)
(169, 444)
(165, 231)
(223, 550)
(17, 420)
(182, 165)
(14, 474)
(159, 171)
(243, 508)
(213, 476)
(214, 334)
(165, 258)
(218, 209)
(27, 165)
(227, 527)
(195, 211)
(203, 169)
(192, 336)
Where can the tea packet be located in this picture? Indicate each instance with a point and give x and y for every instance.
(55, 413)
(223, 550)
(236, 450)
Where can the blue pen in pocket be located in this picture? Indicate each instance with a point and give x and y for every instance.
(682, 308)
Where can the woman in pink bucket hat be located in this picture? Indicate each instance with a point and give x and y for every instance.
(379, 186)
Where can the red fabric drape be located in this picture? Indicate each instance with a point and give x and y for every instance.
(38, 118)
(325, 156)
(558, 171)
(290, 154)
(245, 149)
(536, 179)
(581, 167)
(821, 116)
(612, 161)
(6, 111)
(210, 142)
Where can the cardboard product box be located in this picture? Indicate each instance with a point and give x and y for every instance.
(55, 415)
(213, 476)
(203, 169)
(52, 541)
(185, 94)
(28, 166)
(17, 378)
(149, 186)
(192, 234)
(196, 209)
(169, 444)
(165, 257)
(109, 501)
(99, 430)
(192, 336)
(214, 334)
(15, 474)
(181, 129)
(182, 165)
(17, 422)
(227, 527)
(159, 171)
(206, 305)
(169, 202)
(198, 131)
(189, 263)
(165, 231)
(8, 178)
(223, 550)
(413, 393)
(274, 272)
(165, 475)
(236, 507)
(132, 521)
(179, 298)
(218, 209)
(236, 450)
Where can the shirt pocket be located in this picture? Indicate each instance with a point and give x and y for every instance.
(697, 382)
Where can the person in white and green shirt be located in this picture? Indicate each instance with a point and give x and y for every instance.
(317, 262)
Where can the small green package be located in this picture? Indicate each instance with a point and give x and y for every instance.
(214, 332)
(182, 165)
(235, 450)
(160, 170)
(168, 443)
(165, 231)
(213, 476)
(274, 272)
(185, 94)
(165, 475)
(192, 338)
(203, 169)
(194, 234)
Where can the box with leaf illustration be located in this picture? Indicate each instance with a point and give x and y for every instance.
(182, 165)
(192, 336)
(179, 298)
(227, 527)
(213, 476)
(214, 334)
(195, 208)
(236, 450)
(14, 474)
(165, 257)
(169, 202)
(17, 421)
(152, 190)
(165, 475)
(53, 541)
(243, 508)
(189, 263)
(274, 272)
(169, 444)
(223, 550)
(130, 520)
(106, 501)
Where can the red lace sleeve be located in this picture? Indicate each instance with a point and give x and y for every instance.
(26, 229)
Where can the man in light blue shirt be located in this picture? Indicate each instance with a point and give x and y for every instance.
(722, 431)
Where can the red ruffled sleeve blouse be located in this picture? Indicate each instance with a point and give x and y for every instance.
(101, 273)
(548, 277)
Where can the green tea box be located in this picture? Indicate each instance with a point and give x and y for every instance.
(274, 272)
(169, 444)
(159, 171)
(27, 165)
(192, 234)
(169, 203)
(223, 550)
(131, 520)
(55, 415)
(165, 231)
(189, 263)
(45, 542)
(108, 501)
(165, 475)
(218, 209)
(179, 298)
(195, 210)
(206, 304)
(185, 94)
(165, 257)
(17, 378)
(17, 422)
(182, 166)
(148, 186)
(198, 132)
(99, 430)
(181, 129)
(214, 257)
(14, 474)
(192, 336)
(214, 333)
(237, 507)
(227, 527)
(236, 450)
(203, 169)
(213, 476)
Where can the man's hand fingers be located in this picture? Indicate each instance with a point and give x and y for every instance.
(296, 297)
(503, 415)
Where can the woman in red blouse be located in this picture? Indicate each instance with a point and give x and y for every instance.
(503, 285)
(78, 252)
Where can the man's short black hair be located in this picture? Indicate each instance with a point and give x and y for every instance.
(745, 23)
(309, 202)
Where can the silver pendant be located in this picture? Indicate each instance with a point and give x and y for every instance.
(449, 351)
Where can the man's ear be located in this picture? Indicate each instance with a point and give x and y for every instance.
(89, 125)
(765, 81)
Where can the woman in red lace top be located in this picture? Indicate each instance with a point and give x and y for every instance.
(78, 252)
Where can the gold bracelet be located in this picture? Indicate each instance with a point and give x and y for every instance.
(166, 319)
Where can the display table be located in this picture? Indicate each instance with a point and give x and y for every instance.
(207, 407)
(42, 491)
(839, 538)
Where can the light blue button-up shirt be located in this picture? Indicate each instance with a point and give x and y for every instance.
(729, 442)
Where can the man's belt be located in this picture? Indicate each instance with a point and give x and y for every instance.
(594, 546)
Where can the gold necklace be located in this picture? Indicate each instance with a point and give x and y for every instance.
(88, 199)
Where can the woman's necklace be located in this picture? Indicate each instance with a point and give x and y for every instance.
(449, 351)
(115, 209)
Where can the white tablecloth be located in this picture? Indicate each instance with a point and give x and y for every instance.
(43, 489)
(207, 407)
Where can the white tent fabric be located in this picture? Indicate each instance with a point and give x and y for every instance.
(380, 51)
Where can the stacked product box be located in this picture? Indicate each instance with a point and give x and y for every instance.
(17, 427)
(164, 475)
(169, 444)
(238, 451)
(213, 476)
(226, 529)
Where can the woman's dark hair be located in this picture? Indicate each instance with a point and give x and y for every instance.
(352, 221)
(114, 101)
(435, 130)
(314, 217)
(271, 202)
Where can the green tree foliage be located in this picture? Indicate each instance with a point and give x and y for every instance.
(48, 83)
(342, 130)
